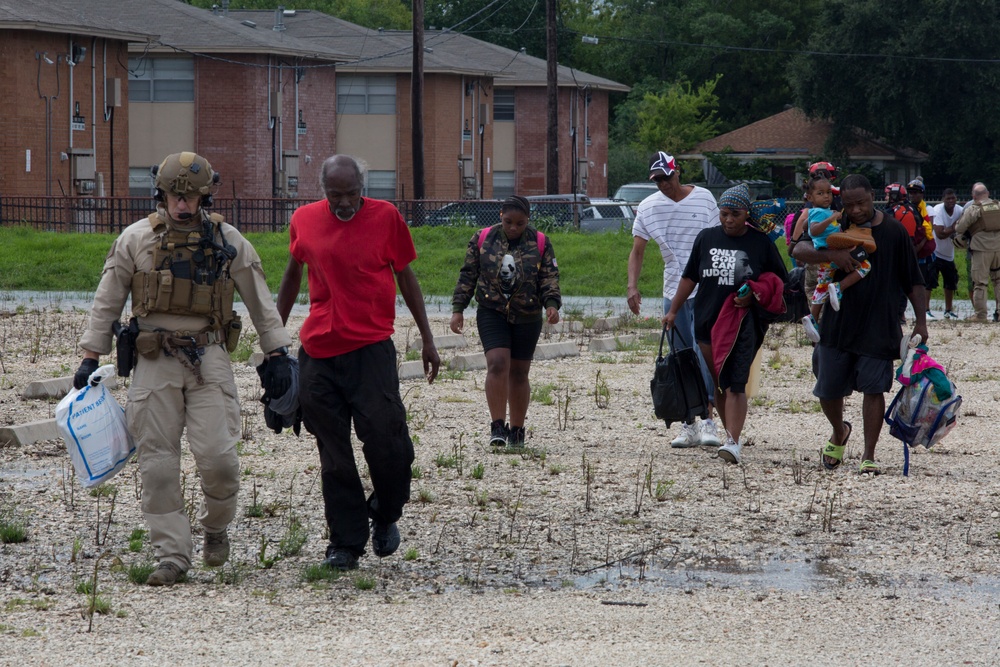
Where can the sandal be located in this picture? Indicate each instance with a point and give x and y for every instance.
(869, 467)
(835, 452)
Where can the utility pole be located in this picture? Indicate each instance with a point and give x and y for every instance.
(552, 138)
(417, 108)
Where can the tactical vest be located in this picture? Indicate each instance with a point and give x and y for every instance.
(189, 276)
(989, 218)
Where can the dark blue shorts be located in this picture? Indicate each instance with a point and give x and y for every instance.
(840, 373)
(495, 331)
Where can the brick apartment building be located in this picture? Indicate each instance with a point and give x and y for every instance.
(63, 112)
(485, 112)
(267, 95)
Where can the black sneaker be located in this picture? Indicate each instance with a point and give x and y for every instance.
(515, 437)
(498, 433)
(385, 538)
(340, 558)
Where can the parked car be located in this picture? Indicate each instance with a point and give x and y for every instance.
(558, 207)
(634, 193)
(470, 213)
(607, 215)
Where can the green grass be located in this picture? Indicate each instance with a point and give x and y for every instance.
(138, 573)
(590, 264)
(71, 262)
(12, 531)
(319, 572)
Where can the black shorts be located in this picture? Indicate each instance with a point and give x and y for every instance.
(840, 373)
(949, 273)
(495, 331)
(929, 270)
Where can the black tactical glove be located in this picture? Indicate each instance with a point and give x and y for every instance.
(87, 366)
(277, 378)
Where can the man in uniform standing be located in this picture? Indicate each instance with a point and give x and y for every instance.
(357, 250)
(181, 266)
(980, 221)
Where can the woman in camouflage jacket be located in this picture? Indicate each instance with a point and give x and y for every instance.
(511, 270)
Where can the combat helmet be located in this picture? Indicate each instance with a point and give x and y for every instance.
(185, 174)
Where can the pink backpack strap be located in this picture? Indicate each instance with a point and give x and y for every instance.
(486, 230)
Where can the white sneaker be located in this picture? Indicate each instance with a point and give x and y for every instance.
(731, 451)
(812, 333)
(834, 295)
(951, 315)
(931, 317)
(689, 437)
(709, 433)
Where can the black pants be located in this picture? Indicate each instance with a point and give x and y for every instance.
(362, 385)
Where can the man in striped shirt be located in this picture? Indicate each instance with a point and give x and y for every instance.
(672, 218)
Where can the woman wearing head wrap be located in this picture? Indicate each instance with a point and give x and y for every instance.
(730, 322)
(511, 270)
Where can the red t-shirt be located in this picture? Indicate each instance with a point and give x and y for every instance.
(351, 270)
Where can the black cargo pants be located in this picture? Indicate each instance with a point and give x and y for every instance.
(362, 386)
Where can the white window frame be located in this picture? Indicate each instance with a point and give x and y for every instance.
(161, 79)
(503, 105)
(504, 184)
(366, 95)
(380, 184)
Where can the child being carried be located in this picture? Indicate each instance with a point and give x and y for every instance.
(826, 231)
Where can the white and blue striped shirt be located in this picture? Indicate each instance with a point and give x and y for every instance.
(674, 226)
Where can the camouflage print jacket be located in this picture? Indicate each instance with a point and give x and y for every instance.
(510, 278)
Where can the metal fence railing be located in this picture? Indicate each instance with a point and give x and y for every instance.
(113, 214)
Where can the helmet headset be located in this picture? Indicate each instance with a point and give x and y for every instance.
(184, 174)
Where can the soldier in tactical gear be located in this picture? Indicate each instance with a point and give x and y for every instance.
(181, 266)
(980, 223)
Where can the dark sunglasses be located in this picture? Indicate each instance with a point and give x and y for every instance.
(660, 179)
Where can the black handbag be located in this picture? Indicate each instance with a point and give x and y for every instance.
(679, 393)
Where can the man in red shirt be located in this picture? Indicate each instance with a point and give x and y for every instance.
(357, 250)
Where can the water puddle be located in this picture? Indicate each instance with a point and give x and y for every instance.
(788, 574)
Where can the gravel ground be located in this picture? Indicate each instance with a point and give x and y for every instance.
(597, 544)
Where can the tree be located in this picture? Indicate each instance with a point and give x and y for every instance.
(512, 24)
(658, 116)
(678, 118)
(747, 41)
(877, 78)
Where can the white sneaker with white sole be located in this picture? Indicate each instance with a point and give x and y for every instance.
(689, 437)
(709, 433)
(732, 451)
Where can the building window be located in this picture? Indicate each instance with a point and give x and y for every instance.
(503, 184)
(366, 94)
(503, 104)
(381, 185)
(140, 182)
(161, 80)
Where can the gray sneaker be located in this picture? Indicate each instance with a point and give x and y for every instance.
(732, 451)
(709, 433)
(689, 437)
(165, 574)
(215, 548)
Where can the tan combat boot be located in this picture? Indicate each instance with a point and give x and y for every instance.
(165, 574)
(215, 550)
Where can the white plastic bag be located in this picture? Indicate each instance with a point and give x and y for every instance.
(93, 426)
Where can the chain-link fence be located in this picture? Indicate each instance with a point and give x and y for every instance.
(113, 214)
